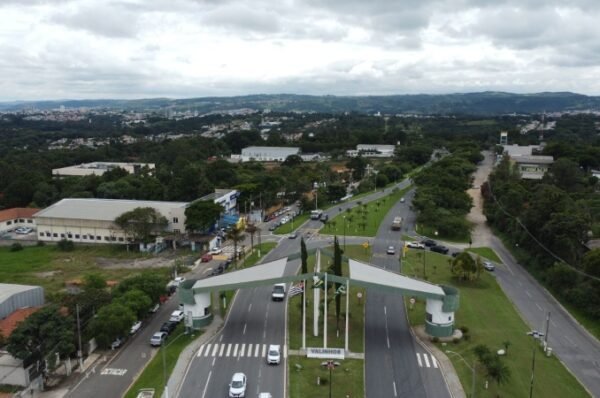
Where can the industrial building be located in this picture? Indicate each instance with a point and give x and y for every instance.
(268, 153)
(99, 168)
(17, 217)
(372, 151)
(14, 297)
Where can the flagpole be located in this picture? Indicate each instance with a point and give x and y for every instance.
(304, 315)
(347, 311)
(325, 315)
(316, 298)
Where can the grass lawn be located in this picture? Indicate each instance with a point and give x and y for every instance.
(486, 252)
(348, 378)
(303, 382)
(49, 267)
(363, 219)
(492, 320)
(290, 226)
(153, 376)
(426, 230)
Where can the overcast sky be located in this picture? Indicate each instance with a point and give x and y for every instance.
(58, 49)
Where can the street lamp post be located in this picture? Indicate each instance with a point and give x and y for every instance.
(472, 370)
(330, 364)
(344, 218)
(536, 335)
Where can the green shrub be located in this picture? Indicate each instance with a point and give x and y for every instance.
(41, 243)
(15, 247)
(435, 339)
(65, 245)
(464, 329)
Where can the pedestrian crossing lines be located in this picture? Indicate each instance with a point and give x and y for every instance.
(426, 360)
(231, 350)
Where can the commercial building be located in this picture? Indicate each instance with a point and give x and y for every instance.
(99, 168)
(92, 220)
(268, 153)
(372, 151)
(532, 167)
(17, 217)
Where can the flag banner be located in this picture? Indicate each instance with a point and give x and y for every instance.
(296, 289)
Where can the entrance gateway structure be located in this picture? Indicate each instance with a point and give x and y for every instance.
(441, 301)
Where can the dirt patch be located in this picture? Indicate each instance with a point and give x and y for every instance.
(160, 261)
(481, 234)
(48, 274)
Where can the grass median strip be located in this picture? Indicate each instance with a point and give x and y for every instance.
(486, 252)
(492, 320)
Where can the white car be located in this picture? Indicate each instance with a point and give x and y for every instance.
(401, 200)
(117, 343)
(135, 327)
(176, 316)
(158, 339)
(488, 266)
(415, 245)
(274, 354)
(391, 250)
(237, 387)
(23, 230)
(154, 308)
(216, 250)
(177, 281)
(265, 395)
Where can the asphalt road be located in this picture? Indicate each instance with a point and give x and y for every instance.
(395, 364)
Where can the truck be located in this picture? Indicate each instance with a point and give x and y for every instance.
(316, 214)
(278, 292)
(397, 224)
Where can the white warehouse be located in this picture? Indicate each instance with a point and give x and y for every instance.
(99, 168)
(268, 153)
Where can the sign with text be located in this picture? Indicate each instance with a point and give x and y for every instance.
(325, 353)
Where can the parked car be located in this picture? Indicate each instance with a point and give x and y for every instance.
(274, 354)
(429, 242)
(402, 200)
(488, 266)
(154, 308)
(158, 339)
(23, 230)
(415, 245)
(273, 227)
(218, 270)
(135, 327)
(206, 258)
(168, 327)
(117, 343)
(439, 249)
(176, 316)
(215, 250)
(391, 250)
(293, 235)
(237, 387)
(177, 281)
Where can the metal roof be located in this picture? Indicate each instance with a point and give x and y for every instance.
(7, 290)
(366, 274)
(271, 272)
(102, 209)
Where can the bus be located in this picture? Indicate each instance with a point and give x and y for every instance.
(397, 224)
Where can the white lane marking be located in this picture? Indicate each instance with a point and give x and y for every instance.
(221, 339)
(285, 351)
(395, 391)
(200, 351)
(527, 293)
(206, 385)
(214, 360)
(434, 362)
(426, 358)
(235, 348)
(207, 352)
(256, 348)
(250, 307)
(222, 349)
(419, 360)
(388, 342)
(113, 372)
(215, 350)
(245, 324)
(385, 310)
(540, 308)
(242, 350)
(249, 350)
(264, 353)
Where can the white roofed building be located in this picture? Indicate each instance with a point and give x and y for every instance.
(372, 151)
(99, 168)
(268, 153)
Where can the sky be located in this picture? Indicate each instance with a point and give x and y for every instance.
(78, 49)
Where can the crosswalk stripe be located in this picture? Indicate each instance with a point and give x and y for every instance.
(235, 350)
(426, 360)
(249, 350)
(264, 353)
(215, 350)
(242, 350)
(434, 361)
(200, 351)
(207, 352)
(222, 349)
(256, 350)
(419, 360)
(228, 349)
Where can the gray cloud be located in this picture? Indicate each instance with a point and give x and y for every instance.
(105, 19)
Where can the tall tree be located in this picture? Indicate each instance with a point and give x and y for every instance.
(112, 321)
(202, 215)
(142, 223)
(152, 284)
(236, 235)
(337, 270)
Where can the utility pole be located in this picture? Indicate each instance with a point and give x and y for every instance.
(79, 352)
(547, 329)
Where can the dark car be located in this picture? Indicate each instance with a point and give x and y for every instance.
(439, 249)
(168, 327)
(429, 242)
(219, 270)
(455, 254)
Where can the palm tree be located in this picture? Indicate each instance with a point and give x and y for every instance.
(236, 235)
(251, 229)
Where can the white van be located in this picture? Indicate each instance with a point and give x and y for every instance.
(278, 292)
(176, 316)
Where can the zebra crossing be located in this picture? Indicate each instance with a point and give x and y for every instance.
(426, 360)
(235, 350)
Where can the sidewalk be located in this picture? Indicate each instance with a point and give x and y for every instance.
(187, 355)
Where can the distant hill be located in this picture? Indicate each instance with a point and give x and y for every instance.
(484, 103)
